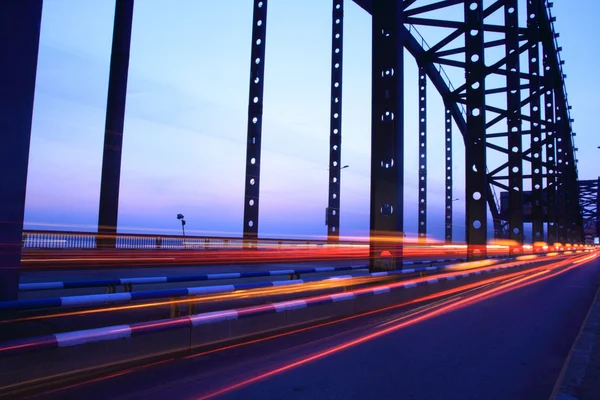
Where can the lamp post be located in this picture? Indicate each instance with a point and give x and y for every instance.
(181, 217)
(347, 166)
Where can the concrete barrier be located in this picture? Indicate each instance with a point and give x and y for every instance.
(128, 282)
(126, 297)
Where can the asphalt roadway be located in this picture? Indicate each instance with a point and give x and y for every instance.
(511, 346)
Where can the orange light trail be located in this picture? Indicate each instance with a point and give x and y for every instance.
(428, 314)
(331, 283)
(231, 251)
(366, 313)
(517, 277)
(65, 375)
(298, 288)
(506, 277)
(463, 289)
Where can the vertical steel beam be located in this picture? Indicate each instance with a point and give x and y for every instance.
(255, 113)
(475, 148)
(19, 42)
(422, 219)
(550, 205)
(449, 199)
(115, 119)
(598, 209)
(561, 177)
(572, 197)
(513, 103)
(533, 18)
(573, 210)
(563, 137)
(335, 124)
(568, 211)
(387, 135)
(579, 230)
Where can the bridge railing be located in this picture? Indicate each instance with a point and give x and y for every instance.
(48, 239)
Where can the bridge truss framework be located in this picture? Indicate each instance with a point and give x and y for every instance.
(589, 201)
(533, 129)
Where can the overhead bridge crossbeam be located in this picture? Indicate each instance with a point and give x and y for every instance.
(529, 128)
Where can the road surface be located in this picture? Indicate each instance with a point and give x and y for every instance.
(511, 346)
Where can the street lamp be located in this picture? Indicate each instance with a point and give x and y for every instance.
(345, 166)
(180, 217)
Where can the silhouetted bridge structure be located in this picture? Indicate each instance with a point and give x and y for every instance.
(516, 110)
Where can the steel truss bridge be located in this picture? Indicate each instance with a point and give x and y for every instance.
(511, 104)
(589, 201)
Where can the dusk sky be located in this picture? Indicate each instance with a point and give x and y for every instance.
(185, 127)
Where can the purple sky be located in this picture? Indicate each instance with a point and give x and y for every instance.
(185, 128)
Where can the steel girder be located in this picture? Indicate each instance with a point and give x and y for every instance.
(422, 217)
(255, 117)
(551, 203)
(387, 136)
(335, 124)
(589, 202)
(475, 151)
(513, 101)
(532, 84)
(20, 23)
(533, 11)
(115, 120)
(448, 180)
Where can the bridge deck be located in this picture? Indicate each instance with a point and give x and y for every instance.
(511, 346)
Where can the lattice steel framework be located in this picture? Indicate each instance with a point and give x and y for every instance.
(528, 150)
(514, 133)
(531, 128)
(589, 202)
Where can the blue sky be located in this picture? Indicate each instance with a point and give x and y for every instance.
(185, 128)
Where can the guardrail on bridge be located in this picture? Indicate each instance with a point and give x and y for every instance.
(47, 239)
